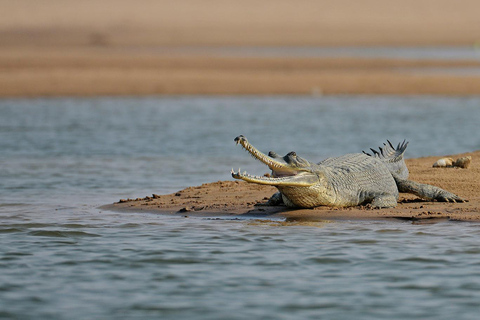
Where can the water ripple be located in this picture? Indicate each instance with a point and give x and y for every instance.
(62, 234)
(424, 260)
(11, 230)
(326, 260)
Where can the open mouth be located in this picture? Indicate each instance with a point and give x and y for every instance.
(282, 172)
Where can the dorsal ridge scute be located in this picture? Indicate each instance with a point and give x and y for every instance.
(389, 153)
(393, 158)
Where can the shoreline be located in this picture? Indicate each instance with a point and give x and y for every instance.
(238, 199)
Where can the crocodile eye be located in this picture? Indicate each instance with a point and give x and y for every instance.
(292, 154)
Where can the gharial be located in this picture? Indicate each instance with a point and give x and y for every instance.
(349, 180)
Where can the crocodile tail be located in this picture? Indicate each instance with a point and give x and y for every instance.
(393, 158)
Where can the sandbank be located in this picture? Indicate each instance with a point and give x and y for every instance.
(238, 199)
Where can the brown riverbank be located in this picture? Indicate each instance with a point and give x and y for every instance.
(86, 48)
(240, 199)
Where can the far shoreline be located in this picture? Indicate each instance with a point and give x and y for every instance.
(90, 72)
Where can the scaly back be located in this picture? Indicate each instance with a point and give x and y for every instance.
(393, 158)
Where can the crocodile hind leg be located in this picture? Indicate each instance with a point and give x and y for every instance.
(427, 191)
(384, 201)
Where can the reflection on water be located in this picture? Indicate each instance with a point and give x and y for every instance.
(443, 53)
(292, 222)
(453, 71)
(63, 258)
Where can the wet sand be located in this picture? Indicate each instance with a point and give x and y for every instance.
(88, 48)
(238, 199)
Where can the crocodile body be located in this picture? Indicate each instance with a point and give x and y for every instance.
(348, 180)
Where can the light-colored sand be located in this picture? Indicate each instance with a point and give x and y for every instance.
(110, 47)
(238, 199)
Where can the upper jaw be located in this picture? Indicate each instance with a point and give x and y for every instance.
(283, 173)
(272, 163)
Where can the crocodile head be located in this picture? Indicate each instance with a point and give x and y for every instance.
(290, 170)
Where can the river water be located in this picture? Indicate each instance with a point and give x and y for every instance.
(61, 257)
(436, 53)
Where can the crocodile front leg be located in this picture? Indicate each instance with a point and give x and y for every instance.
(427, 191)
(275, 200)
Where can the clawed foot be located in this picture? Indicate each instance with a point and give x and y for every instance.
(446, 196)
